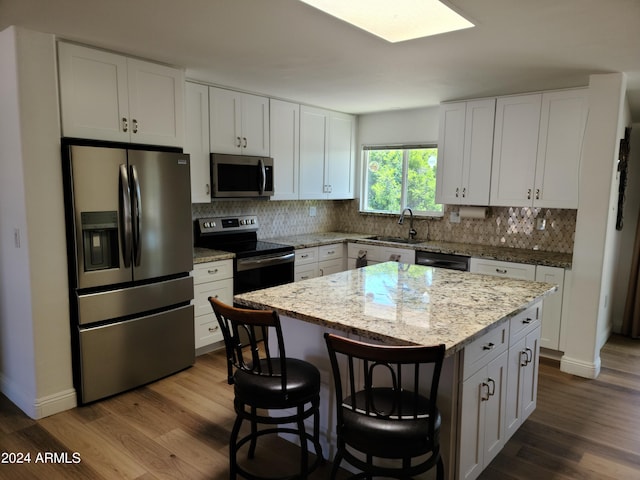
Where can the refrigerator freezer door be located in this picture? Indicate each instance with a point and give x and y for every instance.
(124, 355)
(99, 224)
(161, 210)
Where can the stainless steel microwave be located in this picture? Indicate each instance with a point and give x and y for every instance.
(241, 176)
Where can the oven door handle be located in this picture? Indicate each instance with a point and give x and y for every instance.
(244, 264)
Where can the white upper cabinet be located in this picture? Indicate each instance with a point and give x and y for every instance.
(562, 124)
(327, 154)
(285, 148)
(239, 122)
(537, 149)
(105, 96)
(197, 140)
(464, 152)
(515, 150)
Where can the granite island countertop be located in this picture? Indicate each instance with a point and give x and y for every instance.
(403, 304)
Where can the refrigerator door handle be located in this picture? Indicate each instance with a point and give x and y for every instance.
(125, 215)
(136, 214)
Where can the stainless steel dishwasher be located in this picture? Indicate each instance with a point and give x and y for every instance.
(443, 260)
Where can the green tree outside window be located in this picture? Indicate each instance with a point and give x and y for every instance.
(396, 178)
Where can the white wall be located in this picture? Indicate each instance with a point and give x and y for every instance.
(401, 126)
(595, 249)
(35, 368)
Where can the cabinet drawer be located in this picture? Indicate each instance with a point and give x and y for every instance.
(330, 266)
(484, 349)
(211, 271)
(402, 255)
(306, 255)
(524, 322)
(329, 252)
(222, 290)
(519, 271)
(304, 272)
(207, 331)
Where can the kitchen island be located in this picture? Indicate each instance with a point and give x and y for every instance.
(490, 327)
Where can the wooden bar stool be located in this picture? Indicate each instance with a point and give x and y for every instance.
(385, 427)
(266, 382)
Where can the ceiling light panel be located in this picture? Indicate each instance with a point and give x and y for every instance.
(395, 20)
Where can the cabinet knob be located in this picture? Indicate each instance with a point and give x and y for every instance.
(501, 271)
(212, 272)
(125, 124)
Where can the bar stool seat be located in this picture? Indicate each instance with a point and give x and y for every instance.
(269, 388)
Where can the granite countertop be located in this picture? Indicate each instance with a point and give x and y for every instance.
(402, 304)
(519, 255)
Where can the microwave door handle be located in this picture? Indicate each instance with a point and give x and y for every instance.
(125, 215)
(263, 184)
(136, 214)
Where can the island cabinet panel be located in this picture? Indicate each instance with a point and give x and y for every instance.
(483, 399)
(522, 380)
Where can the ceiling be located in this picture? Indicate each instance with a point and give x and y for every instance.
(287, 49)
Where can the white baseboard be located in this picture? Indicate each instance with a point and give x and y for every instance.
(580, 368)
(37, 408)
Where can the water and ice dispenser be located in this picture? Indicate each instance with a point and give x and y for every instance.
(100, 240)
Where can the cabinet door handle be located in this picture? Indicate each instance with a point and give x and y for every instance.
(523, 358)
(207, 189)
(529, 354)
(492, 387)
(135, 125)
(239, 144)
(245, 142)
(501, 271)
(331, 252)
(457, 192)
(213, 329)
(488, 392)
(304, 255)
(529, 194)
(212, 272)
(125, 124)
(537, 194)
(489, 346)
(527, 321)
(464, 192)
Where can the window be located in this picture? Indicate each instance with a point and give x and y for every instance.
(396, 177)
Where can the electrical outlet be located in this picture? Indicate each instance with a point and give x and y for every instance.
(541, 223)
(454, 217)
(312, 211)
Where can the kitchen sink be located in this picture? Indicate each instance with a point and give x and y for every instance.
(394, 239)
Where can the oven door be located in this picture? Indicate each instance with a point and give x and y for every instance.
(255, 273)
(240, 176)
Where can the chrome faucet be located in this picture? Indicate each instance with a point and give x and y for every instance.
(412, 232)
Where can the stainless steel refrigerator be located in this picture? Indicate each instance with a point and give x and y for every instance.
(129, 238)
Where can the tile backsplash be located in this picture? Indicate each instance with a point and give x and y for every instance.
(503, 226)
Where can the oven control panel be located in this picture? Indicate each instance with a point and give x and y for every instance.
(245, 223)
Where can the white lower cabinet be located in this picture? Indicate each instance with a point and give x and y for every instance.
(551, 315)
(499, 389)
(211, 279)
(483, 398)
(319, 261)
(378, 254)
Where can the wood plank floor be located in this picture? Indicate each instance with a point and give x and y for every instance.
(178, 428)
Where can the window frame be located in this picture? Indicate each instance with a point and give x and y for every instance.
(405, 174)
